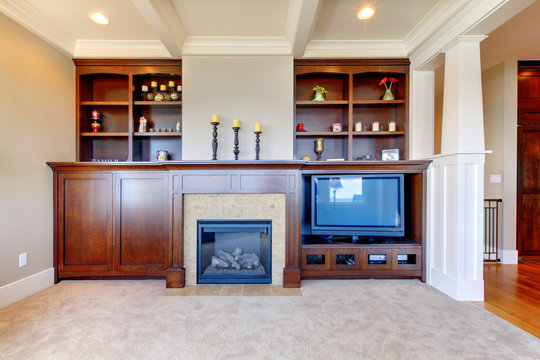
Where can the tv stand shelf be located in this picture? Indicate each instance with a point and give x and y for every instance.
(395, 259)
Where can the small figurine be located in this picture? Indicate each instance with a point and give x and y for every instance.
(96, 126)
(142, 124)
(337, 127)
(178, 126)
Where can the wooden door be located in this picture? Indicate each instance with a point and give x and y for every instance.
(141, 222)
(528, 224)
(528, 197)
(84, 239)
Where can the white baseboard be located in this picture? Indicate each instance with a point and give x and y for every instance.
(509, 256)
(458, 289)
(25, 287)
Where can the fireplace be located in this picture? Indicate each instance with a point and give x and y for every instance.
(234, 251)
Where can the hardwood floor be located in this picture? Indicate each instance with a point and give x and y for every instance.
(512, 292)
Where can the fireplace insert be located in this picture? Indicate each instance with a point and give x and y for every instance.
(234, 251)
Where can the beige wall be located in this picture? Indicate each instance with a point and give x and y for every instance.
(500, 120)
(493, 97)
(37, 104)
(250, 88)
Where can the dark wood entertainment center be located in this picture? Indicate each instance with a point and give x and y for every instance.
(124, 217)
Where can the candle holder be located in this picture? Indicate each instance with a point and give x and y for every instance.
(214, 140)
(319, 147)
(236, 150)
(257, 144)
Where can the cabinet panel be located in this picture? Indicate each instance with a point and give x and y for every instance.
(142, 221)
(85, 221)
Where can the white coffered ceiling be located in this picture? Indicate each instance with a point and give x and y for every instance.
(303, 28)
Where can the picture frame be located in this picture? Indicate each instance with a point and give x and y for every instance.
(390, 155)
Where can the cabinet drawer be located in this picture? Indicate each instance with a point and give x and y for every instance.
(316, 259)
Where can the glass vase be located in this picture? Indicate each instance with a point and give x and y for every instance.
(388, 95)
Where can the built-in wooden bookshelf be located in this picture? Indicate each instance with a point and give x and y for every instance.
(113, 87)
(354, 95)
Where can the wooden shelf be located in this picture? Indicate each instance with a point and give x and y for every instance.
(93, 134)
(320, 133)
(379, 133)
(165, 134)
(105, 103)
(378, 102)
(322, 103)
(157, 103)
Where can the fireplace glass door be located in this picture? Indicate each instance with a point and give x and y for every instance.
(234, 251)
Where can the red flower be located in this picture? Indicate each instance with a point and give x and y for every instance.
(383, 81)
(392, 80)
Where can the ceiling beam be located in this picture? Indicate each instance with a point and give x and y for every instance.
(301, 20)
(162, 17)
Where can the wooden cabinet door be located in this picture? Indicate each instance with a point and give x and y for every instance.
(141, 222)
(528, 222)
(84, 239)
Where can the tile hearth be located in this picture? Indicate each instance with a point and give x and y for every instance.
(233, 290)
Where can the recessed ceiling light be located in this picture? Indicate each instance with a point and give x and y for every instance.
(98, 18)
(366, 13)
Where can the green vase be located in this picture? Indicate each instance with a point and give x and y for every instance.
(318, 95)
(388, 95)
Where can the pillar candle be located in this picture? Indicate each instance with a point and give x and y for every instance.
(236, 123)
(258, 127)
(215, 118)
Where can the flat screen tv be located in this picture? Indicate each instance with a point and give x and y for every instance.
(357, 205)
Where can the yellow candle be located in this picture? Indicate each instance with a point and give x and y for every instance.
(236, 123)
(258, 127)
(171, 83)
(162, 87)
(215, 118)
(153, 84)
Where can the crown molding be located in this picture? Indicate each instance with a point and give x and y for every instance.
(120, 49)
(439, 15)
(231, 45)
(460, 23)
(355, 49)
(26, 15)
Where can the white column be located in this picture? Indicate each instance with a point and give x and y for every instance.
(456, 178)
(422, 109)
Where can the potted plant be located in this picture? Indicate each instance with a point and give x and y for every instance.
(319, 93)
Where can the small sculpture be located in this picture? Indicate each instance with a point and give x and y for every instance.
(142, 124)
(178, 126)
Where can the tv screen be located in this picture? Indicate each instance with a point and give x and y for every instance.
(357, 205)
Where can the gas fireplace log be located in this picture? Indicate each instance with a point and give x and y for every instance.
(228, 257)
(237, 252)
(249, 261)
(220, 263)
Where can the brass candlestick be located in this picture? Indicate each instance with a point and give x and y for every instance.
(214, 140)
(319, 147)
(257, 144)
(236, 150)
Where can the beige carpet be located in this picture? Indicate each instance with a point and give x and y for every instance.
(371, 319)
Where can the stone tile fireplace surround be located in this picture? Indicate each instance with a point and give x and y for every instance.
(234, 207)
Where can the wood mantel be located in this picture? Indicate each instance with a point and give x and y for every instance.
(125, 219)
